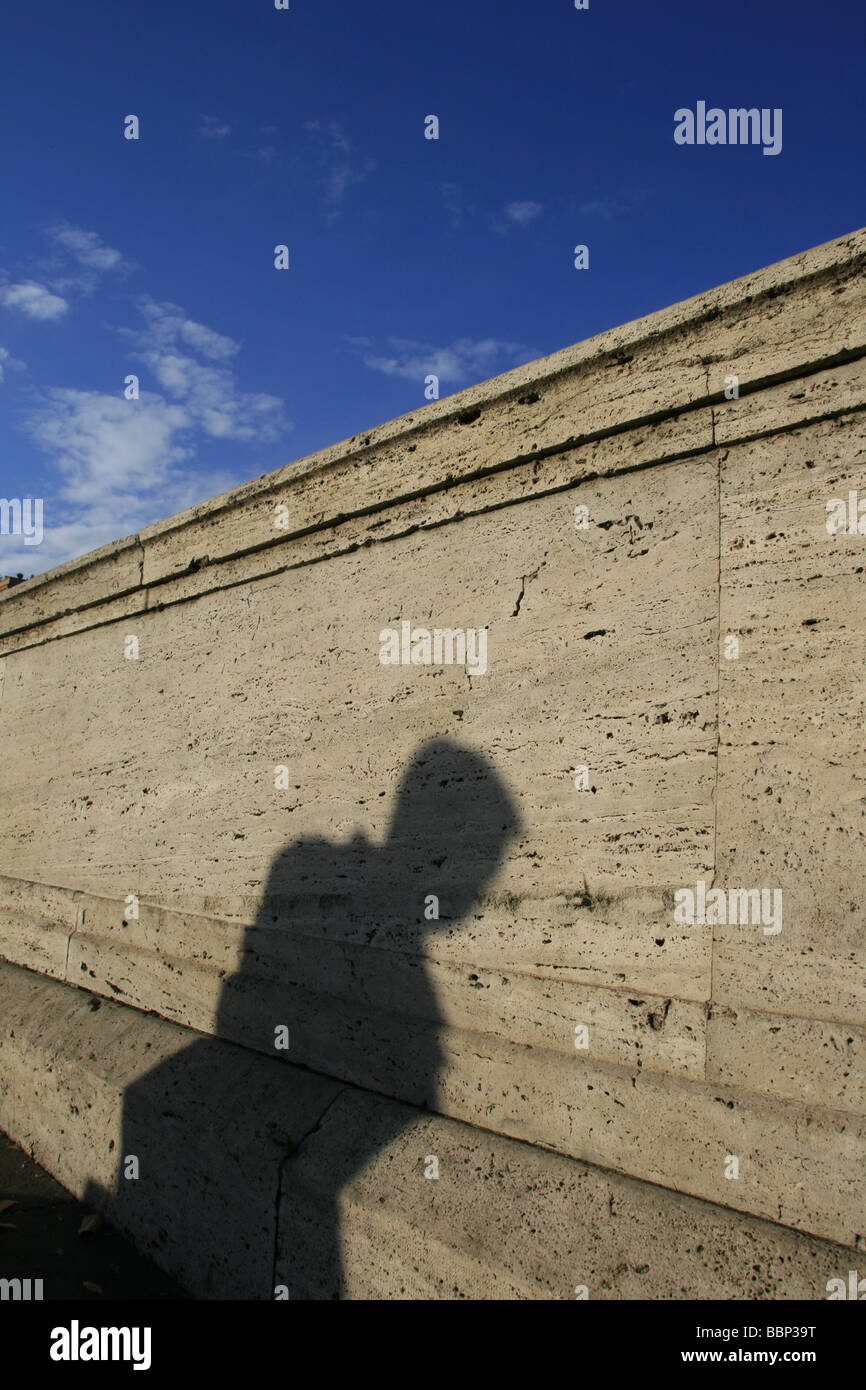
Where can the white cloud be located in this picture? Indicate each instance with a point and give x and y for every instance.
(341, 178)
(211, 399)
(212, 128)
(71, 529)
(103, 444)
(208, 393)
(86, 247)
(121, 464)
(6, 361)
(344, 171)
(523, 212)
(84, 283)
(466, 360)
(331, 133)
(599, 207)
(167, 324)
(33, 299)
(620, 204)
(118, 464)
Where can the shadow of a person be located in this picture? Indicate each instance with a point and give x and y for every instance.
(335, 962)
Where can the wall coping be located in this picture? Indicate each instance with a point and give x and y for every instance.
(813, 264)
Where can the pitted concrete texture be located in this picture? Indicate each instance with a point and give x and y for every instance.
(506, 1220)
(86, 1085)
(260, 1179)
(241, 826)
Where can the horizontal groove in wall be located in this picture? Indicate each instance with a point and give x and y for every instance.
(450, 484)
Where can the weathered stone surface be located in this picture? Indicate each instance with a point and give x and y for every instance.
(147, 786)
(103, 574)
(254, 1174)
(508, 1221)
(36, 924)
(810, 1061)
(86, 1085)
(792, 771)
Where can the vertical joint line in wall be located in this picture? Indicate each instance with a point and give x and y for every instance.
(141, 568)
(280, 1168)
(140, 855)
(76, 898)
(718, 725)
(712, 408)
(137, 876)
(296, 1145)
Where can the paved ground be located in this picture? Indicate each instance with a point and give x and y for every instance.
(39, 1239)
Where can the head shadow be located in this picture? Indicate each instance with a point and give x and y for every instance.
(342, 956)
(339, 948)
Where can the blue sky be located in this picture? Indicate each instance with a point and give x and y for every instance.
(408, 256)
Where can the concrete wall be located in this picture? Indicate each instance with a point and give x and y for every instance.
(304, 905)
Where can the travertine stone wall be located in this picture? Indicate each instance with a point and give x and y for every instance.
(246, 1202)
(607, 647)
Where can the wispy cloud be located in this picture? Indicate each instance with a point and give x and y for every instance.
(121, 464)
(86, 247)
(620, 204)
(465, 361)
(208, 393)
(522, 213)
(331, 133)
(7, 361)
(452, 201)
(344, 167)
(212, 128)
(79, 257)
(167, 325)
(33, 299)
(516, 214)
(108, 448)
(48, 302)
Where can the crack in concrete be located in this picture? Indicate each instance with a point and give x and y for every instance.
(76, 899)
(296, 1148)
(524, 579)
(319, 1122)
